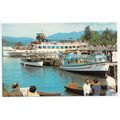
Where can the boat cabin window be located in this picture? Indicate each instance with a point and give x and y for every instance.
(48, 47)
(79, 59)
(40, 47)
(57, 47)
(70, 47)
(44, 47)
(62, 47)
(66, 47)
(101, 58)
(53, 47)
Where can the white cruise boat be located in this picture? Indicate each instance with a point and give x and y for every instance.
(34, 48)
(85, 62)
(31, 60)
(41, 45)
(7, 51)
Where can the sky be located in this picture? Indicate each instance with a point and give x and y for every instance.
(31, 29)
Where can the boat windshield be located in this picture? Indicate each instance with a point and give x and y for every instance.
(101, 58)
(84, 58)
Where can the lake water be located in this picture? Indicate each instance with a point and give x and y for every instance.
(47, 78)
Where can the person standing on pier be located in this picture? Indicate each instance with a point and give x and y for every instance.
(87, 88)
(111, 85)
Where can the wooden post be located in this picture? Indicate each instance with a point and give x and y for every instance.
(115, 71)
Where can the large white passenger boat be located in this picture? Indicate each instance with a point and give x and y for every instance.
(41, 45)
(44, 47)
(85, 62)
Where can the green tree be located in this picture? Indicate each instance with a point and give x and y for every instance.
(107, 34)
(109, 37)
(87, 34)
(95, 38)
(81, 38)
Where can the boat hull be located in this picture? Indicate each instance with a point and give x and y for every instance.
(36, 64)
(6, 53)
(15, 54)
(48, 94)
(98, 67)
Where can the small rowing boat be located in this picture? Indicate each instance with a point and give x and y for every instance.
(48, 94)
(74, 88)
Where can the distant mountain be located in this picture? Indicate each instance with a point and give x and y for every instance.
(65, 36)
(8, 43)
(23, 40)
(54, 37)
(68, 36)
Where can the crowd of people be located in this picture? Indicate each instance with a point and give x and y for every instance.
(94, 88)
(17, 92)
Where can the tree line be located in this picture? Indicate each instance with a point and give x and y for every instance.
(107, 37)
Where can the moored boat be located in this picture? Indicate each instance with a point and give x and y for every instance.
(31, 60)
(85, 62)
(42, 45)
(7, 51)
(48, 94)
(74, 88)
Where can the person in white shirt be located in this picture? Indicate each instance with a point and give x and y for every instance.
(87, 88)
(111, 85)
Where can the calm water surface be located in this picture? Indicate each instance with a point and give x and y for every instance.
(47, 78)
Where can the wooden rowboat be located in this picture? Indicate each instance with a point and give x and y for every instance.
(74, 88)
(48, 94)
